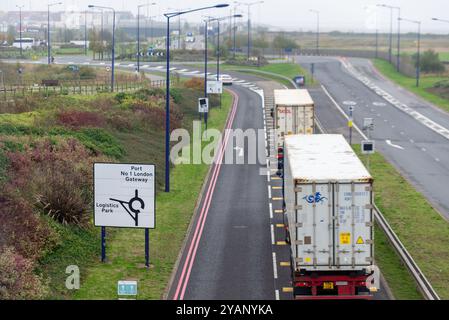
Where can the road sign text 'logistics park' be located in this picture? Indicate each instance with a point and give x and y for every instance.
(124, 195)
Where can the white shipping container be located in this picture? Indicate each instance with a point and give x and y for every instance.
(329, 203)
(294, 113)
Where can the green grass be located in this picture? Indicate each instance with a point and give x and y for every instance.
(444, 56)
(427, 82)
(289, 70)
(420, 227)
(395, 273)
(125, 249)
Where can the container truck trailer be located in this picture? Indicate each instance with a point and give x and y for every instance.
(294, 113)
(329, 211)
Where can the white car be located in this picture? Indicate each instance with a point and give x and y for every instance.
(226, 79)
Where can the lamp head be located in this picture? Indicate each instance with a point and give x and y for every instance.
(223, 5)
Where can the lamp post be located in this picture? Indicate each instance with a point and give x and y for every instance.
(48, 30)
(113, 41)
(167, 98)
(249, 5)
(317, 30)
(20, 28)
(85, 32)
(218, 20)
(138, 31)
(398, 57)
(418, 56)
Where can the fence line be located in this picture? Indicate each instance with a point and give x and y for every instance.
(12, 92)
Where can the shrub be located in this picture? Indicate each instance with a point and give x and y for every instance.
(100, 142)
(23, 229)
(120, 97)
(194, 83)
(120, 122)
(17, 280)
(77, 119)
(56, 177)
(63, 193)
(430, 62)
(176, 95)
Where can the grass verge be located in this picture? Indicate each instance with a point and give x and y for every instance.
(289, 70)
(426, 83)
(125, 248)
(420, 227)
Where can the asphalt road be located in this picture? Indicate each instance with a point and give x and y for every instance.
(415, 149)
(234, 256)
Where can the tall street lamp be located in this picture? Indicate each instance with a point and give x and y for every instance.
(85, 32)
(317, 30)
(218, 20)
(167, 98)
(418, 54)
(398, 57)
(249, 5)
(20, 28)
(113, 41)
(48, 30)
(138, 31)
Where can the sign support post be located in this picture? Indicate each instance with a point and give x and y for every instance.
(147, 247)
(103, 244)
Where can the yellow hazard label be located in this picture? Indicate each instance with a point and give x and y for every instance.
(308, 260)
(345, 238)
(350, 124)
(360, 241)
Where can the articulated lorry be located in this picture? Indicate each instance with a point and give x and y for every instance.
(329, 211)
(294, 113)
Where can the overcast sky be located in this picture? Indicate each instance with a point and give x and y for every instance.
(345, 15)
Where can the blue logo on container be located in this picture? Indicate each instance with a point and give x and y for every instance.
(317, 198)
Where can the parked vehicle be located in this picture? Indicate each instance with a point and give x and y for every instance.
(294, 113)
(329, 209)
(27, 43)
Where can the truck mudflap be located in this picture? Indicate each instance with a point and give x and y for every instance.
(331, 287)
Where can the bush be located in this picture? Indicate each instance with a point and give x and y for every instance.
(195, 83)
(120, 122)
(57, 178)
(23, 229)
(429, 62)
(17, 280)
(77, 119)
(63, 193)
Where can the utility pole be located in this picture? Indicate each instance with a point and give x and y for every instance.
(138, 31)
(249, 5)
(48, 30)
(317, 30)
(20, 28)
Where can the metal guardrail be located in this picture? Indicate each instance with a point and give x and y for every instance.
(423, 284)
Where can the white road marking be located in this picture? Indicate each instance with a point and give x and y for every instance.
(276, 294)
(393, 145)
(269, 192)
(275, 267)
(272, 234)
(403, 107)
(342, 112)
(271, 210)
